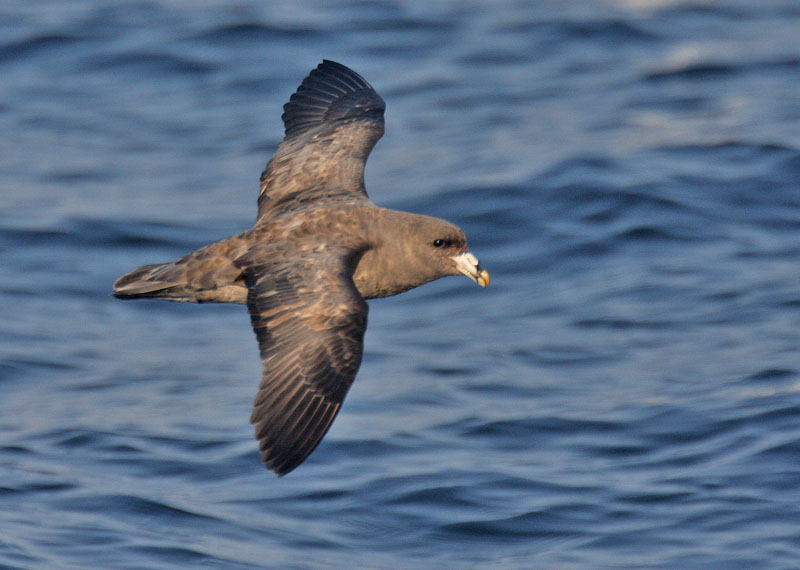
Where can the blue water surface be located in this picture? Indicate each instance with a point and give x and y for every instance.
(625, 394)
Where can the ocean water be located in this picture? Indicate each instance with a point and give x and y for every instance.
(625, 394)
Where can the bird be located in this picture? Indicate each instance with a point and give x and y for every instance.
(319, 249)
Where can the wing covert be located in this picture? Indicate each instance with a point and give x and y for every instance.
(309, 320)
(332, 122)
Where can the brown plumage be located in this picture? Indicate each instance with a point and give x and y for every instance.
(319, 248)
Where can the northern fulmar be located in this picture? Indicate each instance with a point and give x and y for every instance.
(319, 248)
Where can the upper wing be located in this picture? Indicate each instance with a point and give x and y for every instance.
(310, 321)
(332, 122)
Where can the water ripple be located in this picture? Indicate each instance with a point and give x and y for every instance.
(624, 395)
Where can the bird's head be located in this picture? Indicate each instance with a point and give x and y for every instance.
(440, 249)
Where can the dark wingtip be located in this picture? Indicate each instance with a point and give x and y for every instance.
(280, 470)
(331, 91)
(284, 448)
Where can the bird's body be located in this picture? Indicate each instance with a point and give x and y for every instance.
(318, 250)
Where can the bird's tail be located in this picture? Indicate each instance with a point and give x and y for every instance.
(207, 275)
(158, 280)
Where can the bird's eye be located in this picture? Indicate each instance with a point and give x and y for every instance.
(441, 242)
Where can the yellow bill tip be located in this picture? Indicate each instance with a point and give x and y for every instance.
(483, 278)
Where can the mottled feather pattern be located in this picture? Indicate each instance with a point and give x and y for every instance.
(310, 325)
(332, 123)
(319, 248)
(203, 276)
